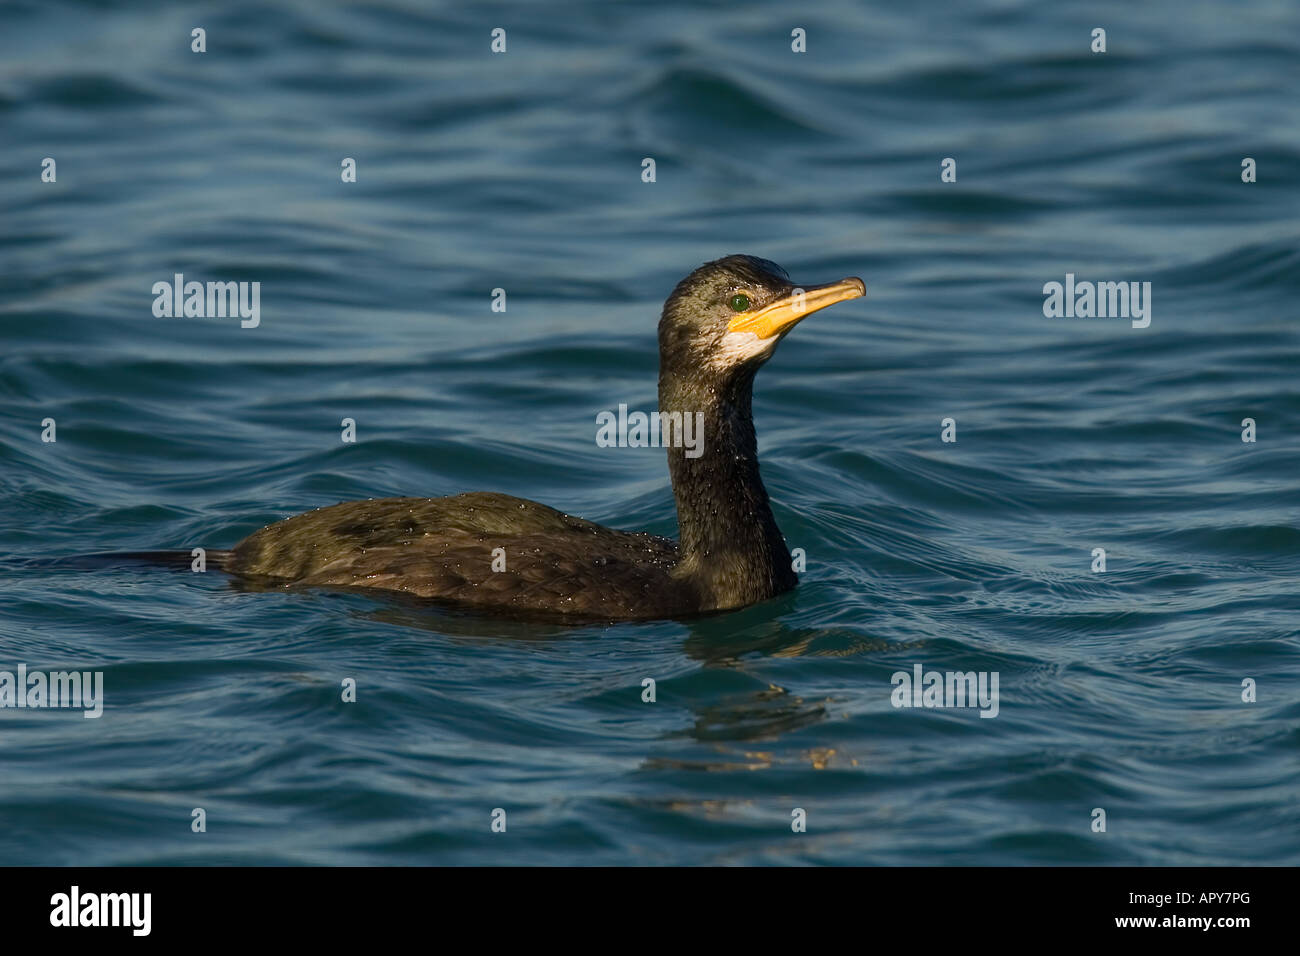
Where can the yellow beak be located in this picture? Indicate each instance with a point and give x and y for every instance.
(776, 317)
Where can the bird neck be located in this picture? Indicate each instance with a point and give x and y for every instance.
(731, 547)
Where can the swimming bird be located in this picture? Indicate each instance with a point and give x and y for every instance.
(719, 325)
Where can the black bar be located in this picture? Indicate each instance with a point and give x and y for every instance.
(945, 906)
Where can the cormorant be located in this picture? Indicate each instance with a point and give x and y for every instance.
(720, 324)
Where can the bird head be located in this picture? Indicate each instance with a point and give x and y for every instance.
(728, 316)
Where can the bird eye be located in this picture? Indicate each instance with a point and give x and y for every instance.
(739, 302)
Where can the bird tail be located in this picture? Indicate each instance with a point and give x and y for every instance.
(109, 560)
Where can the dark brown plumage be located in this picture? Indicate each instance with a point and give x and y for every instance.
(731, 553)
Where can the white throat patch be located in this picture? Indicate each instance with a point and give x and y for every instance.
(736, 348)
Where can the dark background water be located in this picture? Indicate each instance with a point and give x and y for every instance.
(1119, 690)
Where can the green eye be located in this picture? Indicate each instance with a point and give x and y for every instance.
(739, 302)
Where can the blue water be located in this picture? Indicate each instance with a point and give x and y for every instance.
(1119, 690)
